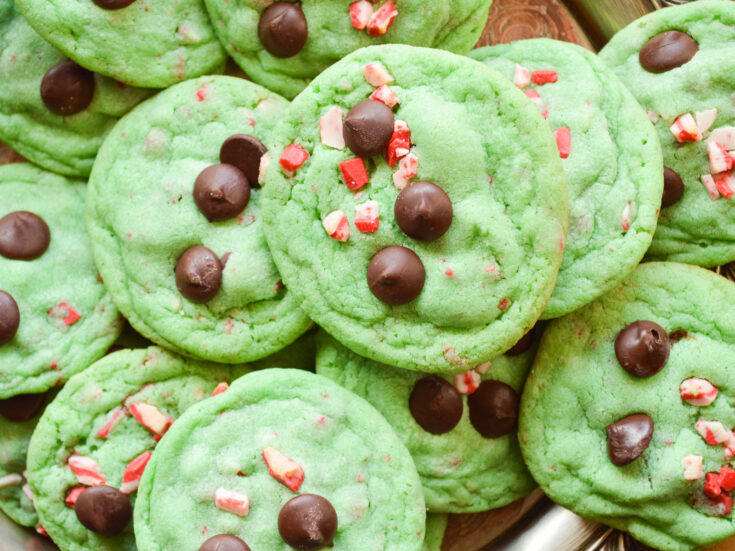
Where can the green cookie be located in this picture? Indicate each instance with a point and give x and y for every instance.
(152, 44)
(67, 318)
(453, 25)
(436, 527)
(335, 444)
(699, 226)
(613, 168)
(475, 136)
(578, 389)
(461, 471)
(63, 144)
(142, 218)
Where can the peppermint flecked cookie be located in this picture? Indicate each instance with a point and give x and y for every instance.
(611, 156)
(94, 440)
(676, 63)
(174, 218)
(152, 44)
(56, 316)
(283, 45)
(282, 460)
(626, 417)
(461, 431)
(52, 111)
(417, 206)
(436, 527)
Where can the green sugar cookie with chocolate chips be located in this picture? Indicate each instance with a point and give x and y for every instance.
(611, 156)
(417, 207)
(627, 416)
(284, 45)
(676, 62)
(298, 463)
(52, 111)
(176, 227)
(461, 431)
(56, 316)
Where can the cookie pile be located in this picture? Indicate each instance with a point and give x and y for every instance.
(466, 228)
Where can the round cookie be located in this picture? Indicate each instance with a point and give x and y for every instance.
(299, 434)
(675, 62)
(613, 164)
(461, 470)
(64, 319)
(262, 39)
(436, 527)
(627, 401)
(138, 42)
(493, 184)
(143, 217)
(66, 142)
(104, 423)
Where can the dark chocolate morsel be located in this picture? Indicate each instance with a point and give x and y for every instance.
(104, 510)
(493, 408)
(113, 4)
(435, 405)
(67, 88)
(23, 235)
(629, 438)
(224, 542)
(283, 29)
(523, 345)
(642, 348)
(368, 128)
(221, 192)
(9, 317)
(673, 188)
(244, 152)
(396, 275)
(22, 407)
(308, 522)
(423, 211)
(667, 50)
(198, 274)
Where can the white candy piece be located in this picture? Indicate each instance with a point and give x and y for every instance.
(87, 470)
(653, 116)
(376, 74)
(709, 182)
(330, 128)
(627, 216)
(360, 14)
(26, 489)
(232, 502)
(715, 433)
(10, 480)
(265, 162)
(150, 417)
(724, 135)
(337, 226)
(522, 76)
(367, 216)
(407, 168)
(698, 392)
(385, 94)
(482, 368)
(705, 119)
(719, 159)
(685, 129)
(693, 467)
(467, 382)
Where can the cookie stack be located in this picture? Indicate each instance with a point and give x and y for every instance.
(465, 230)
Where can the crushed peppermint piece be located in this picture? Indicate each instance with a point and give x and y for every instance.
(685, 129)
(705, 120)
(653, 116)
(73, 495)
(727, 479)
(376, 74)
(712, 485)
(203, 93)
(382, 19)
(330, 128)
(134, 472)
(563, 137)
(367, 216)
(521, 76)
(354, 173)
(293, 158)
(725, 184)
(232, 502)
(399, 144)
(709, 183)
(385, 94)
(482, 368)
(337, 226)
(544, 77)
(65, 312)
(693, 467)
(150, 417)
(360, 13)
(698, 392)
(285, 470)
(467, 382)
(534, 96)
(627, 216)
(724, 135)
(715, 433)
(115, 418)
(265, 162)
(220, 388)
(26, 489)
(8, 480)
(86, 469)
(719, 159)
(407, 168)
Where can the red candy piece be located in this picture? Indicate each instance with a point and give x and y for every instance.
(337, 226)
(725, 184)
(293, 157)
(87, 470)
(71, 498)
(712, 485)
(285, 470)
(232, 502)
(354, 173)
(382, 19)
(134, 472)
(399, 144)
(367, 217)
(65, 312)
(544, 77)
(222, 387)
(150, 417)
(360, 13)
(563, 138)
(727, 479)
(724, 503)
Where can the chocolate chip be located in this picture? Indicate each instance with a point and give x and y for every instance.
(423, 211)
(493, 409)
(9, 318)
(435, 405)
(244, 152)
(104, 510)
(523, 345)
(673, 188)
(224, 542)
(308, 522)
(282, 29)
(368, 128)
(667, 50)
(198, 274)
(629, 438)
(113, 4)
(396, 275)
(642, 348)
(221, 192)
(23, 407)
(23, 235)
(67, 88)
